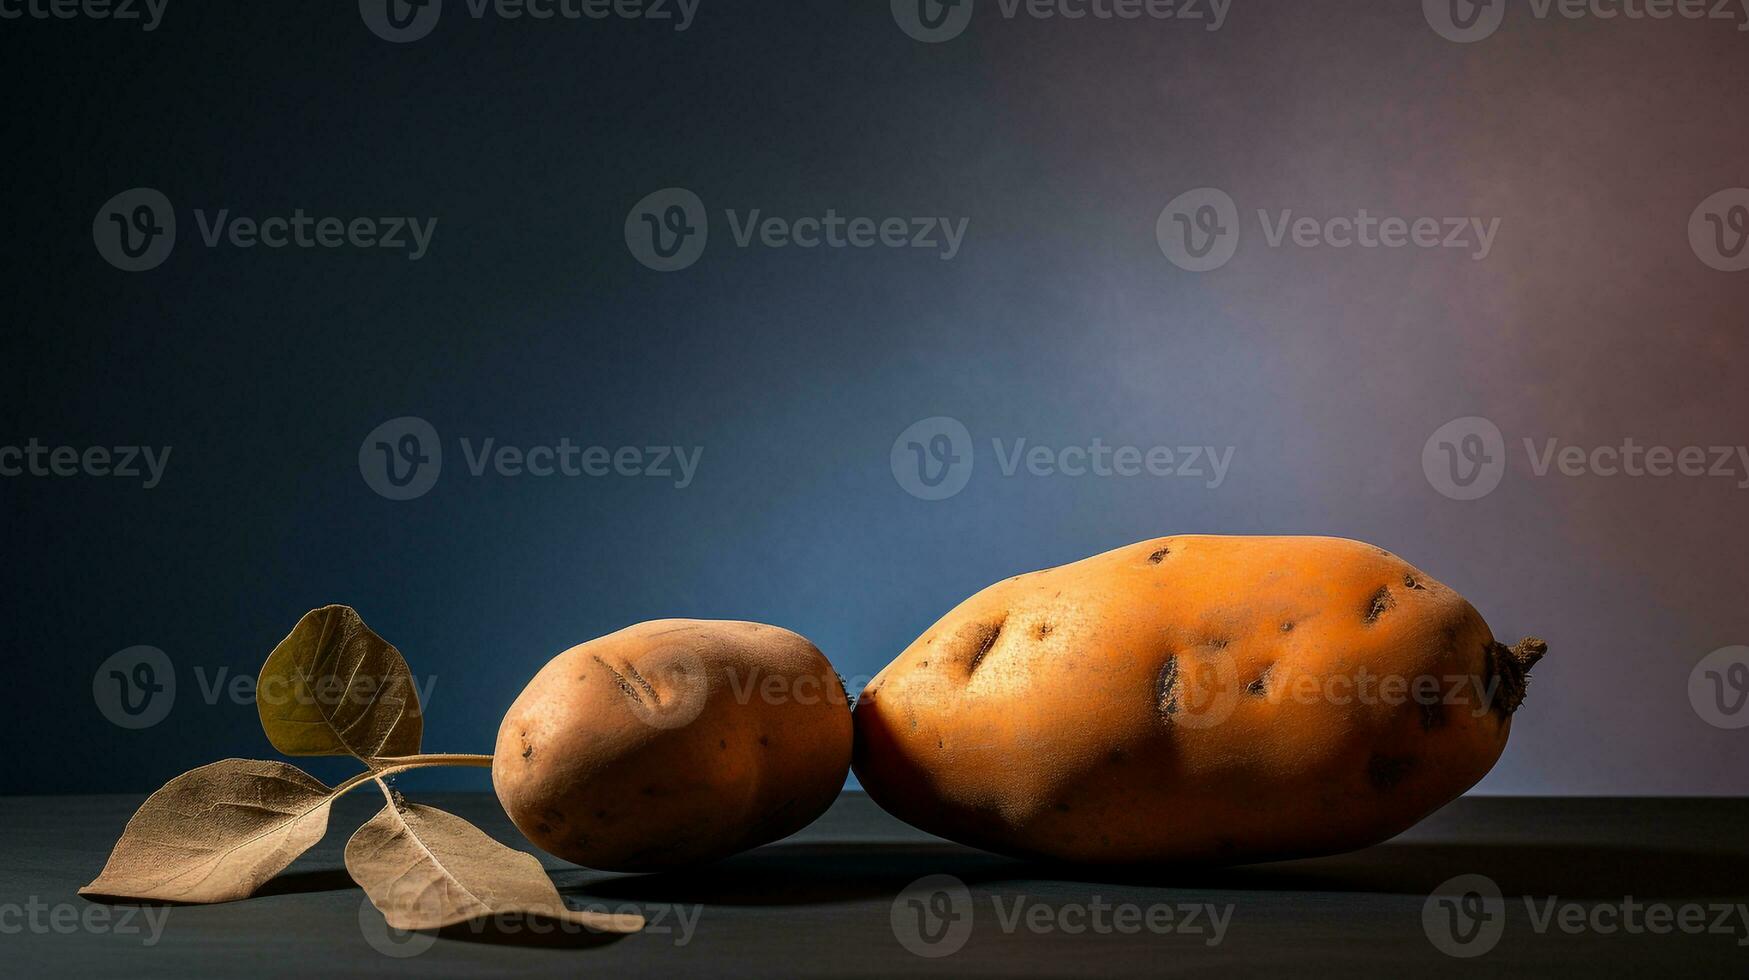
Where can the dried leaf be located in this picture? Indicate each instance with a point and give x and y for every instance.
(216, 833)
(427, 869)
(333, 687)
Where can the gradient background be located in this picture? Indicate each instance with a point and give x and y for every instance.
(1059, 322)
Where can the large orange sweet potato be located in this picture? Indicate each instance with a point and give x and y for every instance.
(1192, 699)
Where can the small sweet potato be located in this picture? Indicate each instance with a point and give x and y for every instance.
(673, 743)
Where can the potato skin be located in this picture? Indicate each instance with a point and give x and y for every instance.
(1191, 699)
(672, 743)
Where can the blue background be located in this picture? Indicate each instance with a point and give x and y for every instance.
(1059, 322)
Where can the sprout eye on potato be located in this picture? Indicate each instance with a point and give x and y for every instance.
(673, 743)
(1192, 699)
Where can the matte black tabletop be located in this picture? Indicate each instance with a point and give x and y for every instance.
(1487, 886)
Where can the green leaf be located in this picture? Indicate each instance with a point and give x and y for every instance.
(333, 687)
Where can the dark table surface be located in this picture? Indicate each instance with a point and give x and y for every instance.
(1608, 886)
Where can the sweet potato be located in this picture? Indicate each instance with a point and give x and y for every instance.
(1196, 699)
(673, 743)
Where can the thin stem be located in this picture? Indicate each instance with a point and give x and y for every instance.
(391, 766)
(416, 761)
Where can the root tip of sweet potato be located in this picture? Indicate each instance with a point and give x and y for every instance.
(1511, 666)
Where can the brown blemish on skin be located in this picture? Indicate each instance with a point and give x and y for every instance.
(648, 688)
(1376, 606)
(764, 741)
(1044, 630)
(1432, 715)
(1287, 627)
(987, 640)
(543, 828)
(1413, 583)
(625, 686)
(1159, 556)
(1166, 689)
(1385, 772)
(553, 815)
(1260, 686)
(722, 743)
